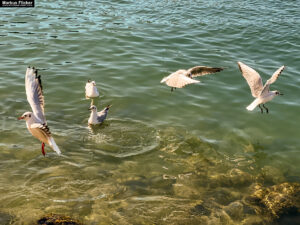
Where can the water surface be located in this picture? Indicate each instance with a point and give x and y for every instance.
(160, 154)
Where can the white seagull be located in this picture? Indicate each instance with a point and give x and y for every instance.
(97, 117)
(36, 121)
(180, 78)
(259, 91)
(91, 90)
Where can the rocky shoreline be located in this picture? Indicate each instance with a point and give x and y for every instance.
(276, 204)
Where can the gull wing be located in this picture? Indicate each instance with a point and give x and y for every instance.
(40, 131)
(34, 92)
(101, 116)
(253, 79)
(203, 70)
(272, 80)
(43, 127)
(180, 80)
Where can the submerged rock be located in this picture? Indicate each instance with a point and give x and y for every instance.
(235, 210)
(54, 219)
(5, 218)
(233, 178)
(277, 201)
(201, 209)
(271, 175)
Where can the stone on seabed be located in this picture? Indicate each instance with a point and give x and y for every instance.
(54, 219)
(276, 202)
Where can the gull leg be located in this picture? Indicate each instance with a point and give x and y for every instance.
(43, 149)
(172, 89)
(261, 110)
(266, 108)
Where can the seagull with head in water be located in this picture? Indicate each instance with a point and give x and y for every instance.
(36, 121)
(97, 117)
(91, 90)
(260, 92)
(181, 78)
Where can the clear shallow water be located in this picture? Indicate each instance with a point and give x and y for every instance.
(159, 154)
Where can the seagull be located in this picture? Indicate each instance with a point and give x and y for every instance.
(97, 117)
(91, 90)
(260, 92)
(36, 121)
(180, 78)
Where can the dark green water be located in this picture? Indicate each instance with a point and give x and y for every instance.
(159, 154)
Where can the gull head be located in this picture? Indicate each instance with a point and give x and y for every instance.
(277, 93)
(93, 108)
(93, 83)
(25, 116)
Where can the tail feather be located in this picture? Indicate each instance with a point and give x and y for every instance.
(253, 105)
(54, 146)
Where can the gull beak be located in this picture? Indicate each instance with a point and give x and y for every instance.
(21, 118)
(89, 109)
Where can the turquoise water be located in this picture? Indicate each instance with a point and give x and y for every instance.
(160, 153)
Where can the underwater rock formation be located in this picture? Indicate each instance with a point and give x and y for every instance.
(5, 218)
(276, 202)
(54, 219)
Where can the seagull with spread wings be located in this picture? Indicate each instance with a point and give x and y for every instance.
(36, 121)
(260, 92)
(181, 78)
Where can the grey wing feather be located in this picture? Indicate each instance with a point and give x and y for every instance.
(101, 116)
(253, 79)
(272, 79)
(34, 92)
(203, 70)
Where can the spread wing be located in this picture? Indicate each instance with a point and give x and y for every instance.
(203, 70)
(272, 79)
(253, 79)
(179, 80)
(34, 92)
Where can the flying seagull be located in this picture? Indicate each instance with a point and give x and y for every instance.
(36, 121)
(180, 78)
(91, 90)
(260, 92)
(97, 117)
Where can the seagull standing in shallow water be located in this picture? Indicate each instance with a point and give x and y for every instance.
(259, 91)
(36, 121)
(97, 117)
(180, 78)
